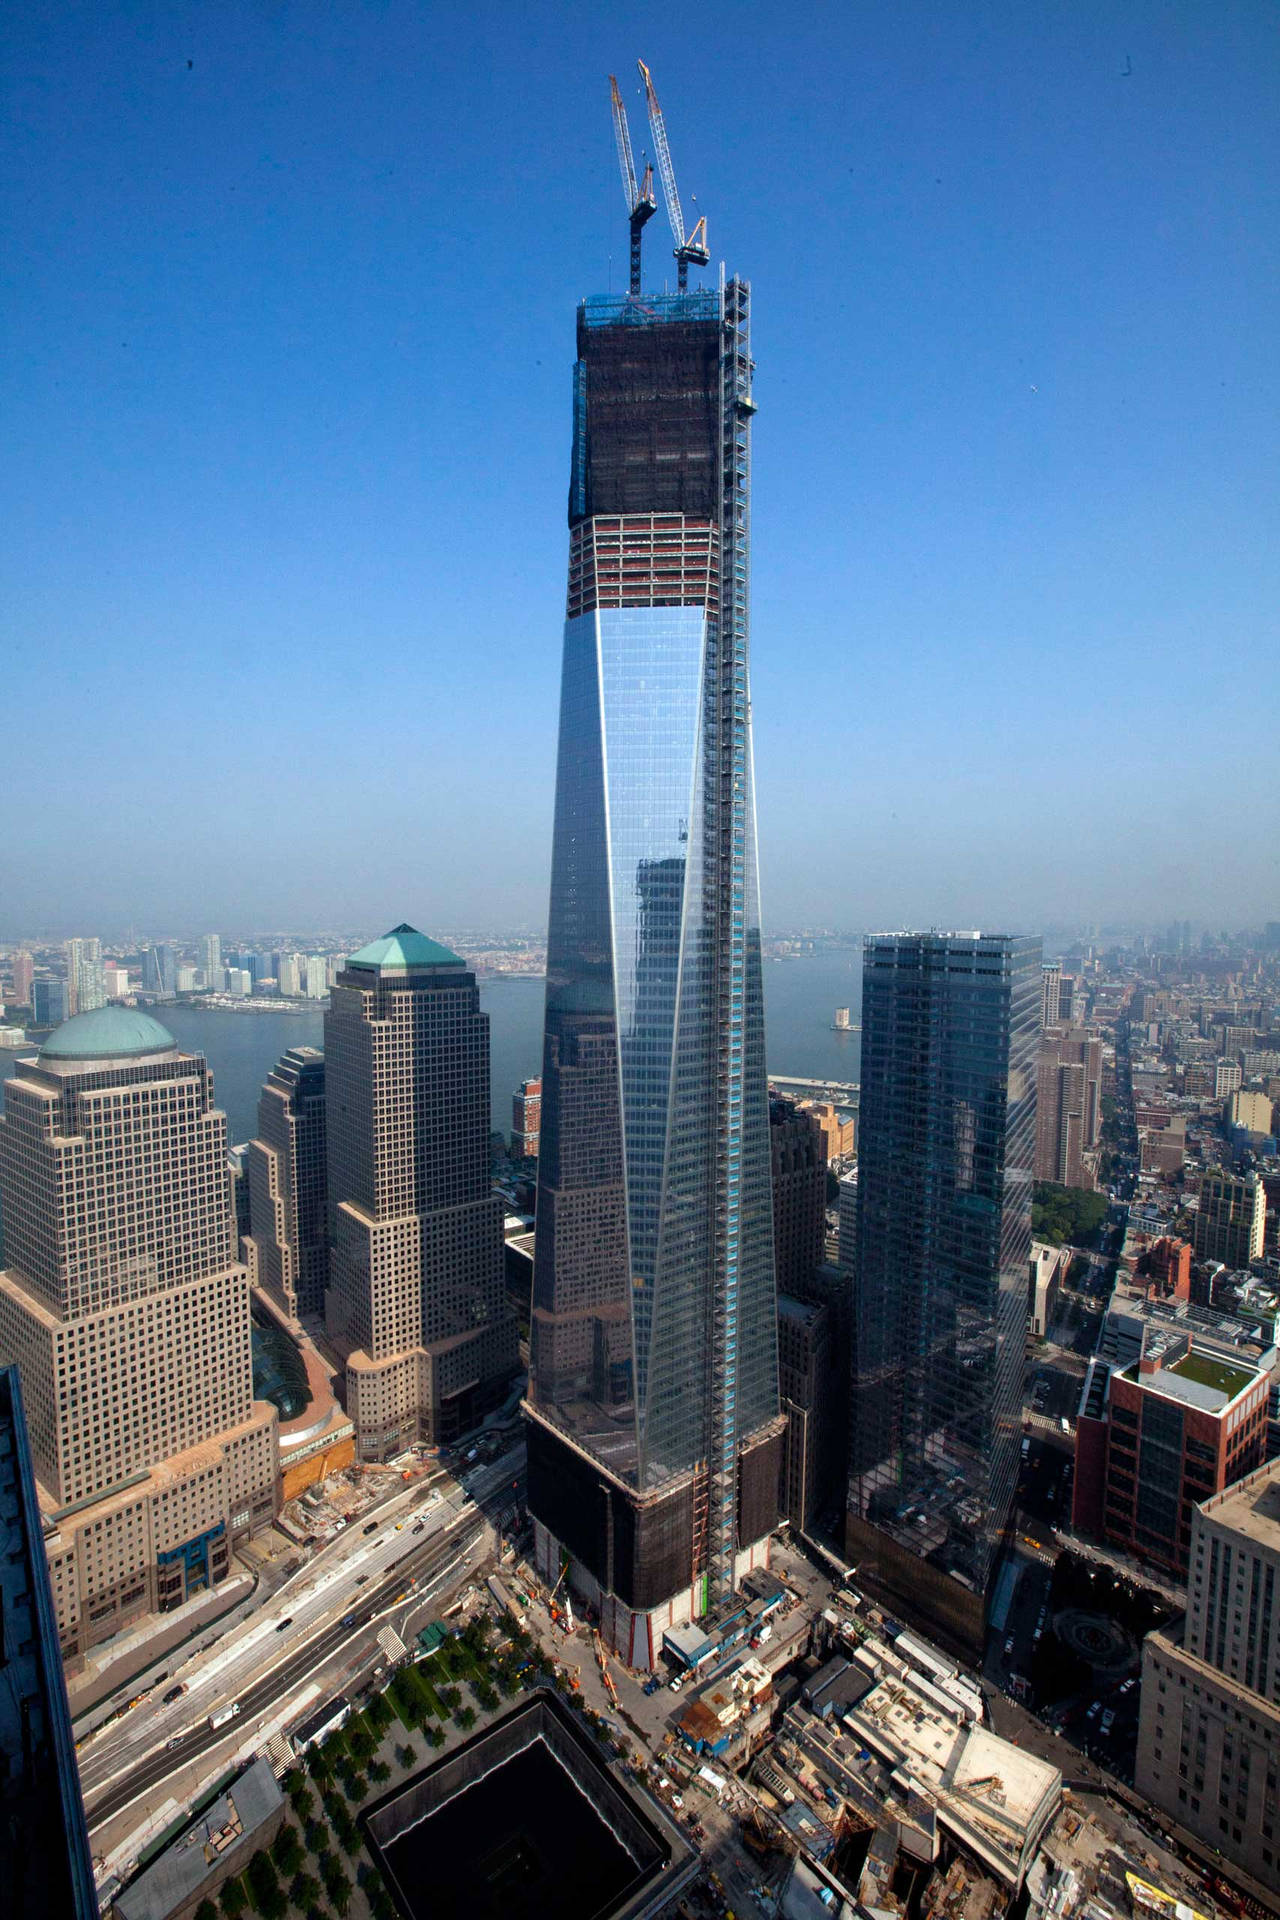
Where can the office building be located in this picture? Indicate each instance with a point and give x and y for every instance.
(808, 1387)
(1231, 1219)
(1168, 1263)
(1209, 1729)
(287, 1248)
(44, 1839)
(86, 985)
(839, 1127)
(239, 982)
(526, 1119)
(950, 1031)
(654, 1433)
(1153, 1437)
(127, 1314)
(1051, 985)
(22, 975)
(416, 1304)
(48, 1003)
(798, 1159)
(159, 971)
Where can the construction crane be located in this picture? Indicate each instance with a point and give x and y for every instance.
(689, 247)
(640, 205)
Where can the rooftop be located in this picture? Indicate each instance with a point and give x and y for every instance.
(1251, 1507)
(1198, 1379)
(108, 1033)
(404, 949)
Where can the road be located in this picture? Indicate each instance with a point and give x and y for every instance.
(336, 1602)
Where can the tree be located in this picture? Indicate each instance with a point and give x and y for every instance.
(232, 1898)
(357, 1788)
(433, 1735)
(206, 1911)
(379, 1771)
(303, 1802)
(315, 1836)
(405, 1755)
(465, 1717)
(302, 1891)
(286, 1849)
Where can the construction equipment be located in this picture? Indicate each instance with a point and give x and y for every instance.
(605, 1674)
(689, 247)
(641, 205)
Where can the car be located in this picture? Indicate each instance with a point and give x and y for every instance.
(371, 1528)
(1093, 1711)
(1129, 1685)
(286, 1622)
(361, 1578)
(348, 1621)
(421, 1524)
(676, 1684)
(1108, 1720)
(174, 1741)
(1008, 1645)
(174, 1693)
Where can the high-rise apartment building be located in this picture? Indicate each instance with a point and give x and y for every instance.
(127, 1313)
(315, 983)
(22, 973)
(1209, 1729)
(86, 983)
(1068, 1105)
(654, 1431)
(526, 1119)
(287, 1246)
(289, 974)
(209, 960)
(1051, 984)
(44, 1840)
(416, 1303)
(1227, 1076)
(950, 1030)
(1231, 1220)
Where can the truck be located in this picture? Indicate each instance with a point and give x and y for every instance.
(221, 1717)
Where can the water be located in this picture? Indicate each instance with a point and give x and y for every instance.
(801, 997)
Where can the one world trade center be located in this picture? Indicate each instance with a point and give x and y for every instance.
(653, 1424)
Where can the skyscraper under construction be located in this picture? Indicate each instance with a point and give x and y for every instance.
(653, 1425)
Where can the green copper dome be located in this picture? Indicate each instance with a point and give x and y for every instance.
(108, 1033)
(404, 947)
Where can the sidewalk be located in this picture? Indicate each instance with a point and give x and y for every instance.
(141, 1657)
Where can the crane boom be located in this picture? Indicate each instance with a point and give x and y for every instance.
(622, 134)
(665, 168)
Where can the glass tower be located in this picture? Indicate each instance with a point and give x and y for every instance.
(950, 1029)
(653, 1398)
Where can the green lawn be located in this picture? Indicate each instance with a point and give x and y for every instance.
(1213, 1373)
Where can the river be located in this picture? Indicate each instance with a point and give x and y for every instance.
(801, 996)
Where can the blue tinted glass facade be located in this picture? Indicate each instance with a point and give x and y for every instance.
(950, 1027)
(653, 1333)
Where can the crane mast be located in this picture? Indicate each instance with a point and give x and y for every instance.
(640, 205)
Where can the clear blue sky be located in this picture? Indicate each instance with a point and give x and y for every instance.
(287, 342)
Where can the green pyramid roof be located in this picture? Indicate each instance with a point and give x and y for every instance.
(402, 948)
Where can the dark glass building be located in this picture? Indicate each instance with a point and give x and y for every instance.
(654, 1431)
(950, 1029)
(287, 1246)
(44, 1841)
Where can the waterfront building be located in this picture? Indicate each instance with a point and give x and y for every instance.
(1231, 1219)
(184, 979)
(1153, 1437)
(654, 1431)
(287, 1248)
(209, 959)
(22, 974)
(1208, 1752)
(48, 1003)
(289, 975)
(159, 968)
(415, 1305)
(86, 984)
(950, 1030)
(239, 982)
(44, 1838)
(117, 982)
(127, 1312)
(526, 1119)
(315, 983)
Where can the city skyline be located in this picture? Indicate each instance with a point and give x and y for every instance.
(1052, 360)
